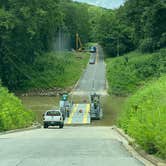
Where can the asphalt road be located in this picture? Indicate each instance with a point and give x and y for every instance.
(93, 79)
(71, 146)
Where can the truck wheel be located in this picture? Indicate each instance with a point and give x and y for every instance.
(45, 126)
(61, 126)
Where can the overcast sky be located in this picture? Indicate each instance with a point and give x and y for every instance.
(112, 4)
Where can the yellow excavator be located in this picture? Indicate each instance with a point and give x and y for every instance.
(79, 46)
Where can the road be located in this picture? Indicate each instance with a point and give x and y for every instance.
(93, 79)
(71, 146)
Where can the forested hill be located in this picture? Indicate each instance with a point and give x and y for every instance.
(31, 28)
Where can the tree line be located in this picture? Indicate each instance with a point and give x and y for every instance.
(138, 24)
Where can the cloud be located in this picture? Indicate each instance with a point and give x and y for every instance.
(111, 4)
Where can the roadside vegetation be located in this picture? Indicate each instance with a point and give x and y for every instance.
(13, 115)
(142, 79)
(145, 115)
(56, 69)
(128, 73)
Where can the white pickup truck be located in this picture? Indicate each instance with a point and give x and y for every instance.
(53, 118)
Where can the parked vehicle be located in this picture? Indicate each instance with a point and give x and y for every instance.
(53, 118)
(93, 49)
(92, 59)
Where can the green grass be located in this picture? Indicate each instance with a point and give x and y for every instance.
(12, 113)
(144, 117)
(127, 73)
(56, 69)
(141, 77)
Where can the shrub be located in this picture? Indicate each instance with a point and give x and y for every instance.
(127, 73)
(12, 113)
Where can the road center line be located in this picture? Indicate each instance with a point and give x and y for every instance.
(72, 114)
(85, 118)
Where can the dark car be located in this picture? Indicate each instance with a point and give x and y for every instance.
(93, 49)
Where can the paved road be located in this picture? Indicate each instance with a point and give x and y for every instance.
(79, 115)
(93, 79)
(71, 146)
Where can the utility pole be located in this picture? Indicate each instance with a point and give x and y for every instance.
(118, 45)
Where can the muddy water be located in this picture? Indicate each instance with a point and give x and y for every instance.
(40, 104)
(112, 106)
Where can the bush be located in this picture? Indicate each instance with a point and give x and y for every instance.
(56, 69)
(12, 113)
(126, 74)
(145, 115)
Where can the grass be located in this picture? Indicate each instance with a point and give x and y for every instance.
(144, 117)
(127, 73)
(141, 77)
(56, 69)
(13, 115)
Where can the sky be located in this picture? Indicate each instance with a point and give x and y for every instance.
(111, 4)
